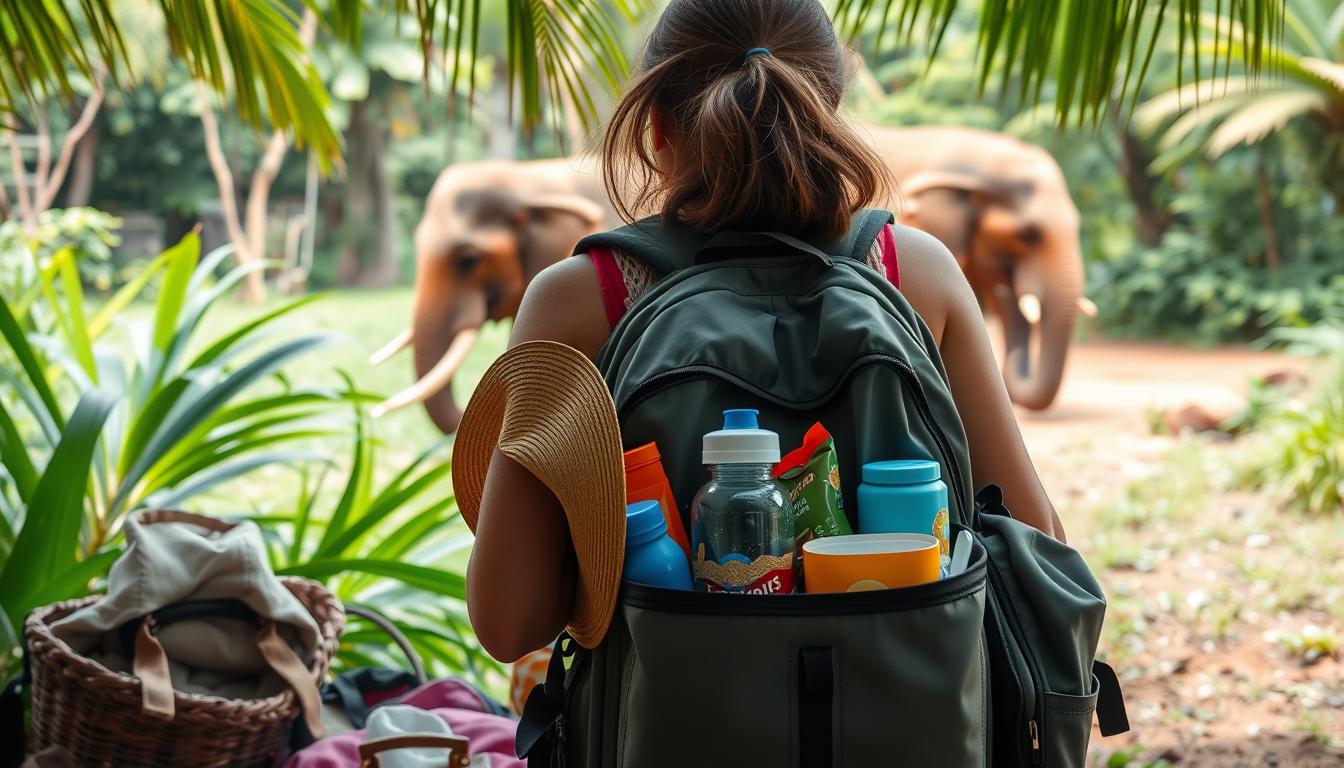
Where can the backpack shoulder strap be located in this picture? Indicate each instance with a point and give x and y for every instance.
(668, 248)
(665, 249)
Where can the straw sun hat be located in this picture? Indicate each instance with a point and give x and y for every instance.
(544, 405)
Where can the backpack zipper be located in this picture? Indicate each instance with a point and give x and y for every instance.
(664, 379)
(1009, 616)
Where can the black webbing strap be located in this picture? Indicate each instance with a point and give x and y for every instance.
(1111, 716)
(816, 707)
(537, 739)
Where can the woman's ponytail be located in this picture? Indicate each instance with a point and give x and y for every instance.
(749, 91)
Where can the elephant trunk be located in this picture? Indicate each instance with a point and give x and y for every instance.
(441, 338)
(1033, 379)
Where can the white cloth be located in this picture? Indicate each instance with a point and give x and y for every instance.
(398, 720)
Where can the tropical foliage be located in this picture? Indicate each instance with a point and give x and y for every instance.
(557, 50)
(1220, 274)
(88, 233)
(372, 546)
(93, 430)
(1221, 110)
(1300, 453)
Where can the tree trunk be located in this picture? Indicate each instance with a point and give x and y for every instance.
(24, 196)
(358, 200)
(386, 267)
(1268, 223)
(83, 171)
(1152, 219)
(259, 195)
(253, 289)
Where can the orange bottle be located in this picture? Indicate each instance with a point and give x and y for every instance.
(645, 480)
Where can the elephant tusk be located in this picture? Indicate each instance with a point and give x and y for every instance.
(400, 342)
(1030, 304)
(1086, 306)
(436, 379)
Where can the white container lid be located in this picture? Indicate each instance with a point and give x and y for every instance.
(741, 441)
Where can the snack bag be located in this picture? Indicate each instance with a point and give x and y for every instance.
(810, 476)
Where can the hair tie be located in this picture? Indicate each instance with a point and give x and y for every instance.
(757, 52)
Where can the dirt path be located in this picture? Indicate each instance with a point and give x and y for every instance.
(1209, 589)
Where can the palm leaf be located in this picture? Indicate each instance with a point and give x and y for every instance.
(205, 481)
(49, 539)
(1329, 71)
(1261, 117)
(14, 455)
(49, 412)
(436, 581)
(181, 421)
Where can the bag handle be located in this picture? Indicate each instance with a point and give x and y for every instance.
(156, 516)
(149, 662)
(404, 643)
(458, 748)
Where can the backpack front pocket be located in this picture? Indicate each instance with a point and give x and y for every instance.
(870, 678)
(1068, 727)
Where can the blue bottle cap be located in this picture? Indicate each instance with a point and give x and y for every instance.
(741, 418)
(644, 519)
(901, 472)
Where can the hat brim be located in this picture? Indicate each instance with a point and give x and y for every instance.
(544, 405)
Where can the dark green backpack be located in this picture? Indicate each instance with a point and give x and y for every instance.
(939, 674)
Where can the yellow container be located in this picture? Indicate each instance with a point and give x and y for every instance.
(870, 561)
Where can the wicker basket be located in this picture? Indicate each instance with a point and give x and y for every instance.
(95, 714)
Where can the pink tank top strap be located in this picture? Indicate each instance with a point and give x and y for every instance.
(612, 283)
(890, 257)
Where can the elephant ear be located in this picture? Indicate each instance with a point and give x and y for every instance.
(950, 181)
(586, 210)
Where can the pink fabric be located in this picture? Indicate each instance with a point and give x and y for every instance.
(890, 258)
(609, 277)
(456, 703)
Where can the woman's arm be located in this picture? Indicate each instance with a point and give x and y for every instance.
(520, 581)
(936, 287)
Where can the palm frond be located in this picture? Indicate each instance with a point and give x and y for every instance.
(1164, 106)
(1329, 71)
(1261, 117)
(1096, 53)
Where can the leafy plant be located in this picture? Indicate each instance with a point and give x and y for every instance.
(153, 422)
(398, 547)
(1211, 278)
(1220, 111)
(90, 234)
(1301, 453)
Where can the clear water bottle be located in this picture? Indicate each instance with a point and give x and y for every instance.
(742, 536)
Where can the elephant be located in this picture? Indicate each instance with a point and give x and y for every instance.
(1000, 206)
(488, 228)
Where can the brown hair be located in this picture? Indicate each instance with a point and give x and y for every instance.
(765, 146)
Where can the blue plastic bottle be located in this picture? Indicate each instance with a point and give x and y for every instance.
(651, 556)
(905, 497)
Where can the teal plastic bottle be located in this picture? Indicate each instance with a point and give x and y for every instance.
(905, 497)
(651, 556)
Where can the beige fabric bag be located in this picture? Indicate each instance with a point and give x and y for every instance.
(239, 633)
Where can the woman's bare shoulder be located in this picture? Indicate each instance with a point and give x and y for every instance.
(564, 303)
(931, 278)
